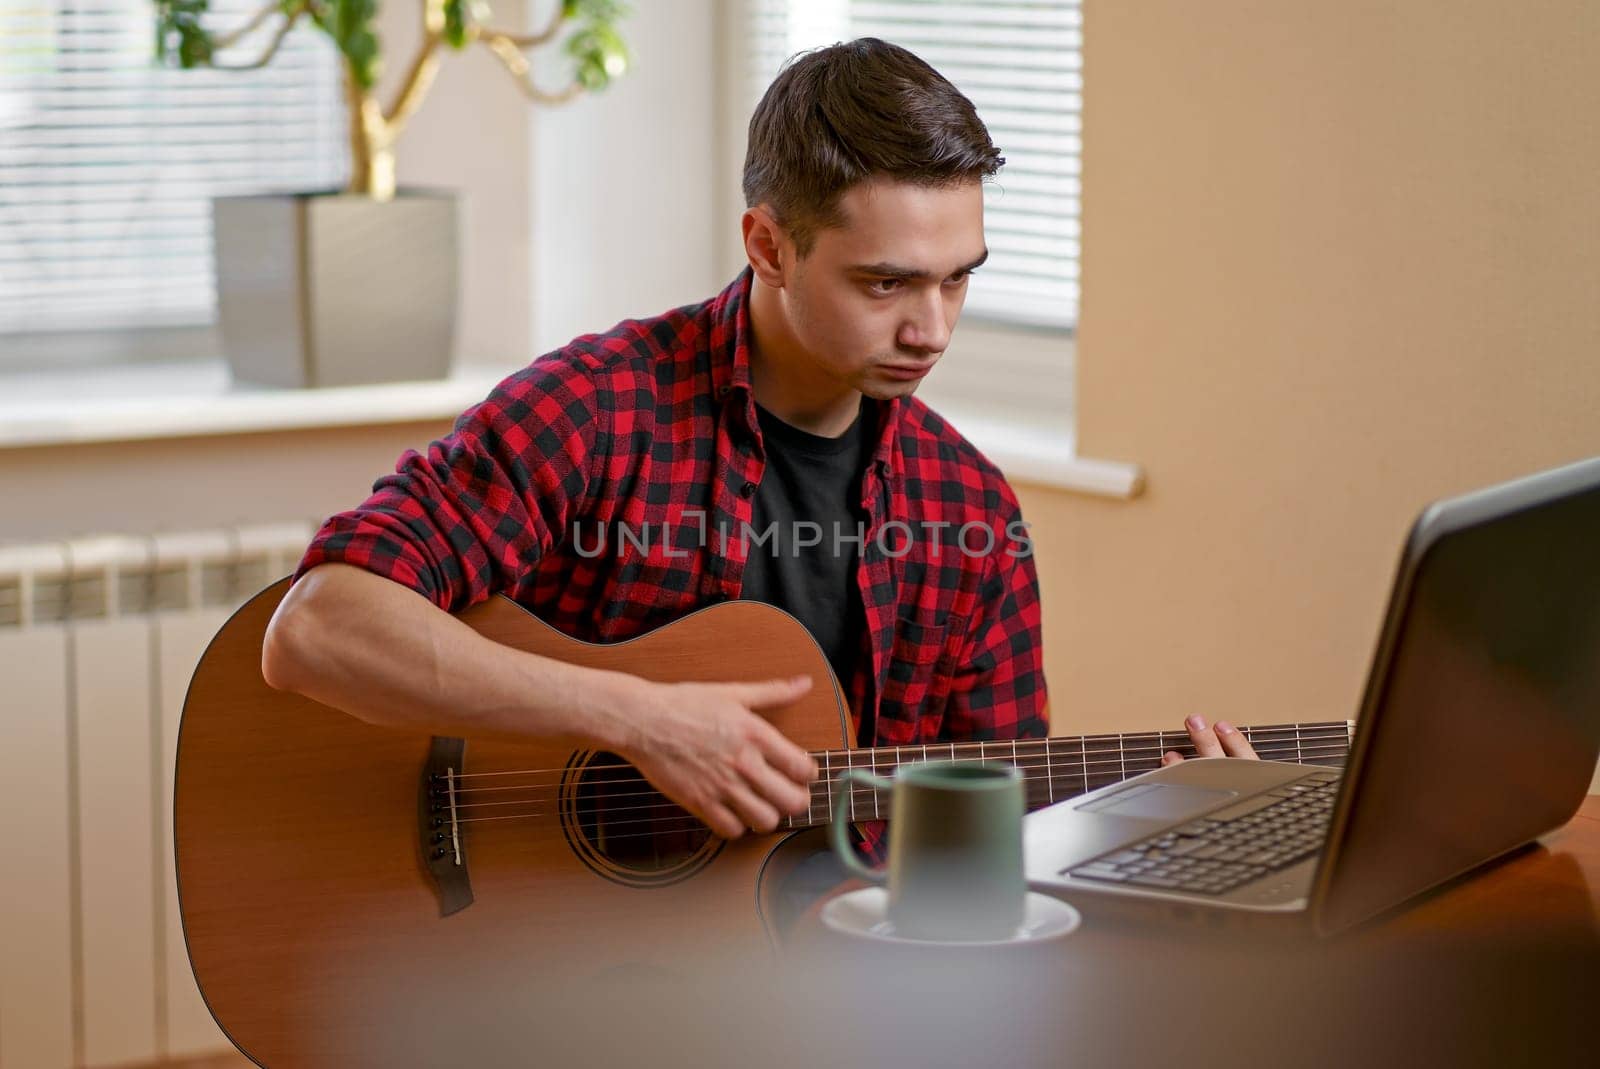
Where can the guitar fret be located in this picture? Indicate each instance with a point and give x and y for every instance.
(1069, 770)
(1100, 761)
(1017, 764)
(1033, 759)
(1050, 772)
(1153, 759)
(862, 760)
(871, 761)
(873, 756)
(827, 783)
(842, 762)
(1035, 765)
(1145, 757)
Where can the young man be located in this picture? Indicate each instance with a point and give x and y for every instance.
(784, 402)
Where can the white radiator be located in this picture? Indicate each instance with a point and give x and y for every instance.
(98, 640)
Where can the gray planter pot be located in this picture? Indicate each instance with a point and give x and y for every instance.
(333, 289)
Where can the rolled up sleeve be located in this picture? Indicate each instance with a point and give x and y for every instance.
(471, 514)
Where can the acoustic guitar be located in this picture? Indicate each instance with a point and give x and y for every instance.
(339, 881)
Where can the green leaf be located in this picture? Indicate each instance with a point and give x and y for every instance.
(320, 16)
(352, 31)
(600, 55)
(598, 48)
(455, 24)
(179, 33)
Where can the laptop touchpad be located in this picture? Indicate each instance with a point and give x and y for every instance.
(1158, 801)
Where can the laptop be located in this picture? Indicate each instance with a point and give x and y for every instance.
(1478, 732)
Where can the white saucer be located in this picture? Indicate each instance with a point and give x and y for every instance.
(864, 913)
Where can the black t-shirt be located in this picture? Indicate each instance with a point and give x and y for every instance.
(811, 480)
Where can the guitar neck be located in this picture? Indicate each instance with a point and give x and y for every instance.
(1061, 767)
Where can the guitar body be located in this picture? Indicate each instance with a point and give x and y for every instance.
(333, 897)
(360, 896)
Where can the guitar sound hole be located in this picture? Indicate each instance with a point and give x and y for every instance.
(628, 829)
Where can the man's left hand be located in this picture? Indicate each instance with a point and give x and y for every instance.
(1221, 739)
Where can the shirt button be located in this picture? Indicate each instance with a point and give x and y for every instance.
(747, 490)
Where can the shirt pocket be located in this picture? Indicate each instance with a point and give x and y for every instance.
(919, 670)
(919, 635)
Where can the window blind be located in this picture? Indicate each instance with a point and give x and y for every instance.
(108, 162)
(1021, 66)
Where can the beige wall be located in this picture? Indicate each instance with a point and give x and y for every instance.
(623, 183)
(182, 484)
(473, 134)
(1338, 259)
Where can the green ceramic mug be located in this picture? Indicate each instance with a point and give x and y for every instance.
(955, 848)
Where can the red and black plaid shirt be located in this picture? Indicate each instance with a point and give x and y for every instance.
(654, 423)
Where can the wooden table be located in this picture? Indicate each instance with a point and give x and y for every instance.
(1498, 970)
(1501, 968)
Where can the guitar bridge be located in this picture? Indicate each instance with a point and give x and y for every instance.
(444, 854)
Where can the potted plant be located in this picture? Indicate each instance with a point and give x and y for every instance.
(327, 288)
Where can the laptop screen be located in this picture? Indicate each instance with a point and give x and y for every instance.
(1481, 723)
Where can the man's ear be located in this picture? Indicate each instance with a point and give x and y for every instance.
(768, 247)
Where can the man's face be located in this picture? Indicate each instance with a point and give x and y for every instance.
(874, 303)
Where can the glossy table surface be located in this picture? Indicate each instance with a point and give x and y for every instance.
(1501, 967)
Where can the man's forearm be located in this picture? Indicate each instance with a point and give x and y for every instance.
(361, 643)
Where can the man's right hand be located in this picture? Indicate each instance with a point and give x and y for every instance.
(704, 746)
(358, 642)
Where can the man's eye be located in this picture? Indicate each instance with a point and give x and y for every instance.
(960, 277)
(885, 285)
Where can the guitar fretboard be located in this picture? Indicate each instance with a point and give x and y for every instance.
(1061, 767)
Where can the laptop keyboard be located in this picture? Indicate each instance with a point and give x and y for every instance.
(1220, 851)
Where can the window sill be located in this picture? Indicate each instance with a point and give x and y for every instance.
(195, 398)
(1047, 458)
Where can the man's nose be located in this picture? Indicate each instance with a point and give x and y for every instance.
(927, 328)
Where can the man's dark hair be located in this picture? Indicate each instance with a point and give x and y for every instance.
(839, 115)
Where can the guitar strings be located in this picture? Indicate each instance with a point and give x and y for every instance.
(820, 789)
(661, 826)
(1320, 744)
(688, 824)
(855, 795)
(629, 776)
(858, 806)
(996, 749)
(653, 799)
(1307, 740)
(938, 751)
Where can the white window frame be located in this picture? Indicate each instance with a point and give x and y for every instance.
(46, 146)
(1033, 111)
(1007, 384)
